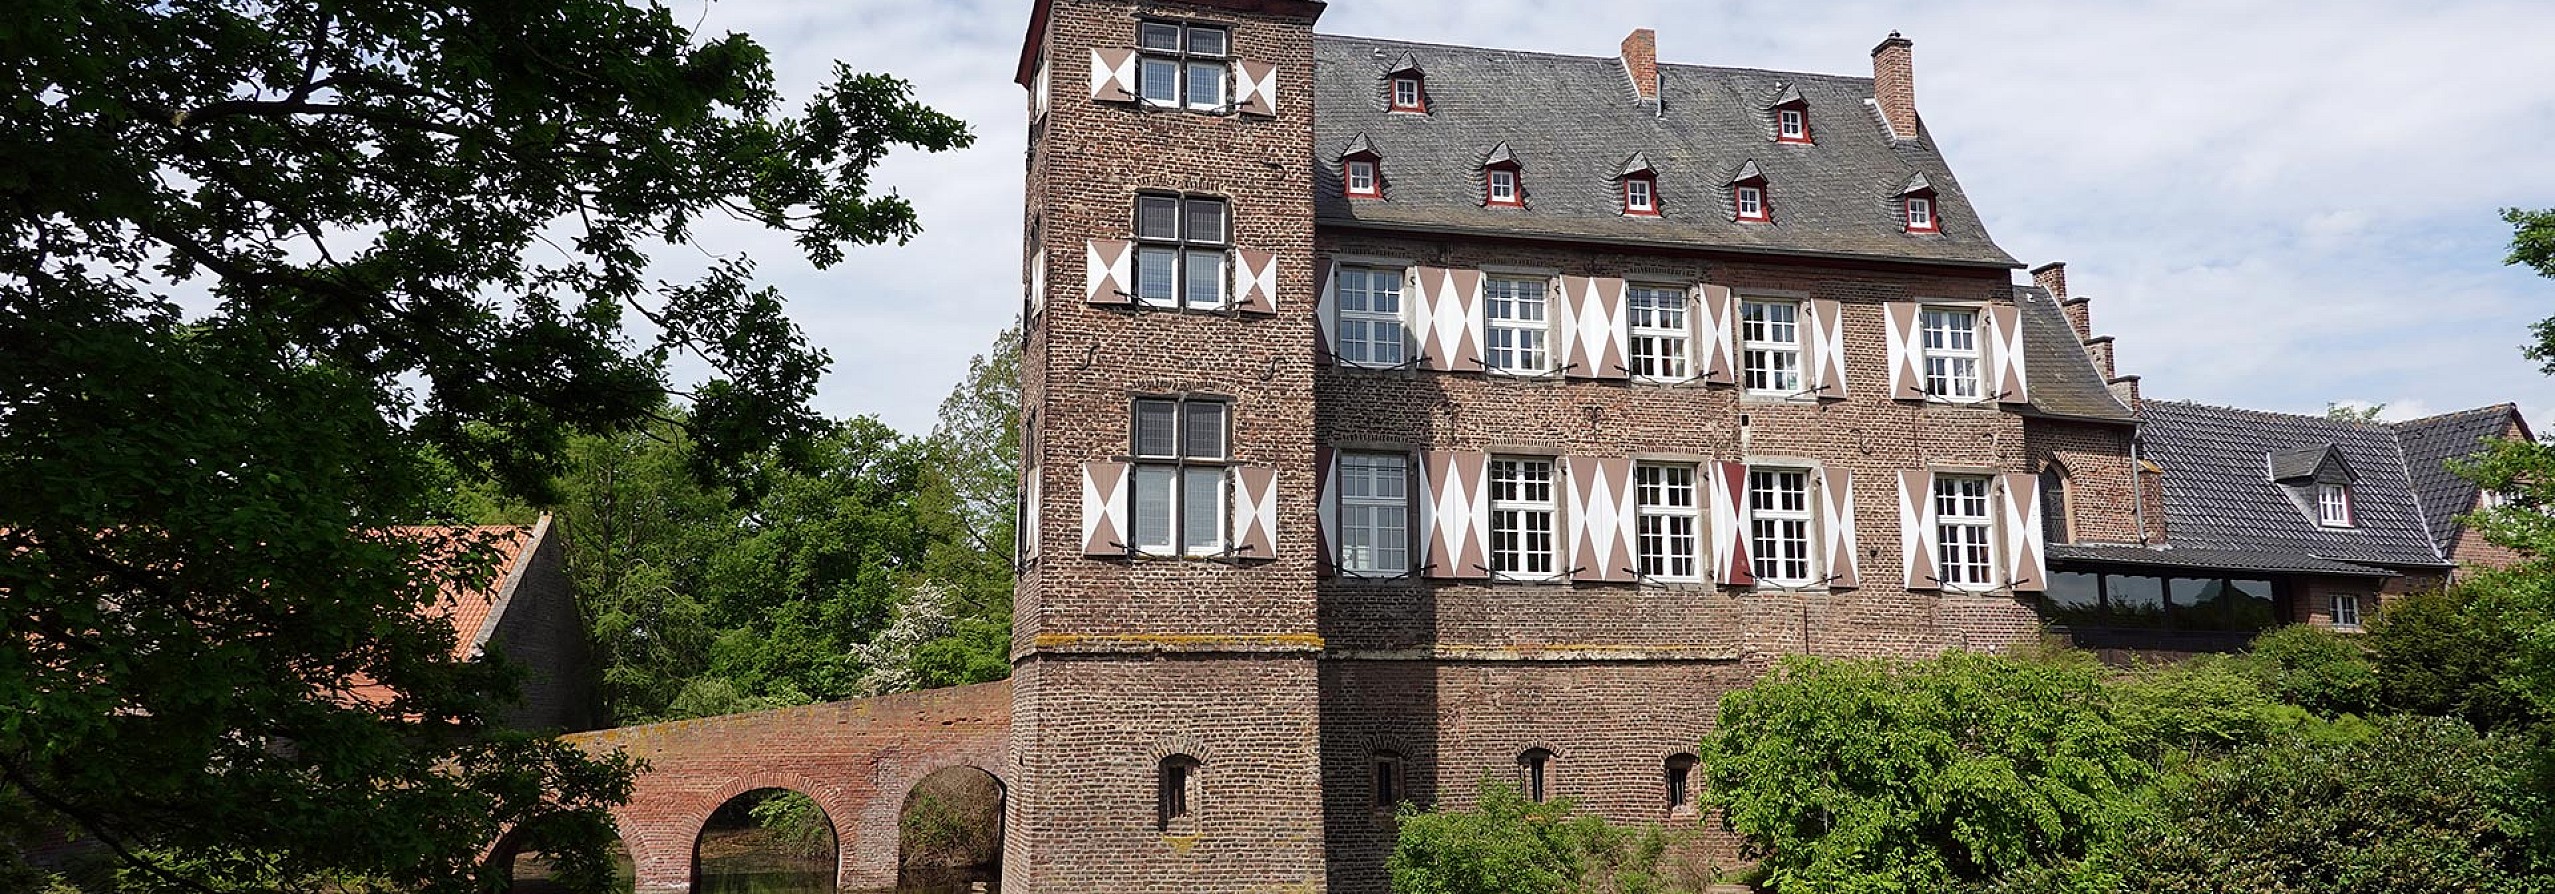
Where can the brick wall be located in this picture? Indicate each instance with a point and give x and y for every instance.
(2103, 483)
(541, 631)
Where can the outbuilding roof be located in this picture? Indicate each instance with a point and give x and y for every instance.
(1572, 120)
(2431, 443)
(2220, 493)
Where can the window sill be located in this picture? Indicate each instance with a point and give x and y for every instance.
(1779, 397)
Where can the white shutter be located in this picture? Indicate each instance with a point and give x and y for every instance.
(1037, 282)
(1255, 88)
(1104, 509)
(1716, 316)
(2007, 378)
(1113, 75)
(1826, 346)
(1730, 562)
(2025, 569)
(1031, 510)
(1600, 511)
(1326, 509)
(1455, 514)
(1836, 527)
(1449, 320)
(1254, 512)
(1906, 350)
(1255, 281)
(1593, 328)
(1326, 310)
(1108, 271)
(1917, 535)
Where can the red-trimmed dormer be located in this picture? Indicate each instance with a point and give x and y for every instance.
(1791, 116)
(1917, 209)
(1503, 179)
(1361, 170)
(1750, 202)
(1637, 185)
(1406, 86)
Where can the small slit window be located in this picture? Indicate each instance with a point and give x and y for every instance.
(1792, 124)
(1407, 94)
(1680, 781)
(1176, 789)
(1389, 791)
(1534, 774)
(1361, 179)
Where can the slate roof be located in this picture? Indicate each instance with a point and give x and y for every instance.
(2219, 493)
(2178, 557)
(2064, 381)
(1570, 122)
(2431, 442)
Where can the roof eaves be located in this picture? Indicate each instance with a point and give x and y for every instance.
(1731, 247)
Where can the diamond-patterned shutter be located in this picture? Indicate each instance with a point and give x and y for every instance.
(1824, 341)
(1104, 509)
(1326, 510)
(1113, 74)
(1600, 511)
(2021, 526)
(1593, 328)
(2005, 354)
(1037, 282)
(1448, 322)
(1108, 271)
(1916, 531)
(1836, 528)
(1254, 512)
(1907, 350)
(1255, 281)
(1031, 510)
(1326, 309)
(1454, 516)
(1728, 482)
(1716, 319)
(1255, 88)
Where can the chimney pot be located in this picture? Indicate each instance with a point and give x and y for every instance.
(2052, 277)
(1894, 84)
(1641, 64)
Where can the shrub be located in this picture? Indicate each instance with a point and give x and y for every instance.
(1510, 845)
(2319, 670)
(2446, 653)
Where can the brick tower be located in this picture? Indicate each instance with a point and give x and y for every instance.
(1165, 652)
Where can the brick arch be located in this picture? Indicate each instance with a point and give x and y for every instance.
(884, 821)
(829, 798)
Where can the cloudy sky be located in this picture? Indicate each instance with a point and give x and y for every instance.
(2272, 204)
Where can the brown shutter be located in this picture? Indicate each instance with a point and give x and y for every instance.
(1717, 313)
(1255, 512)
(1601, 518)
(1428, 328)
(1113, 75)
(1108, 276)
(1826, 346)
(1907, 351)
(1836, 526)
(1729, 492)
(2024, 569)
(1326, 509)
(1255, 281)
(1571, 355)
(1916, 531)
(1255, 88)
(1455, 514)
(1326, 309)
(2005, 354)
(1104, 509)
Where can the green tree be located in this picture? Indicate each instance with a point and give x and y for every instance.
(2347, 413)
(412, 230)
(1874, 776)
(2317, 669)
(2445, 653)
(1507, 844)
(970, 501)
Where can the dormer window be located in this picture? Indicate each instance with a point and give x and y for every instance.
(1792, 124)
(1919, 211)
(2333, 505)
(1360, 179)
(1640, 197)
(1748, 199)
(1503, 181)
(1503, 188)
(1407, 96)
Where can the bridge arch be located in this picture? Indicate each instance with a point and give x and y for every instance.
(950, 829)
(828, 798)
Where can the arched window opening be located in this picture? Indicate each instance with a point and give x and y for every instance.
(1534, 774)
(2054, 524)
(1176, 789)
(1390, 790)
(1680, 773)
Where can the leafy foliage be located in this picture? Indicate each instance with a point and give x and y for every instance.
(2533, 246)
(1510, 845)
(2318, 670)
(2445, 654)
(407, 235)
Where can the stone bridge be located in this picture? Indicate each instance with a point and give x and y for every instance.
(857, 758)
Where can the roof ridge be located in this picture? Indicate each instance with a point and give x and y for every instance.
(2310, 417)
(2503, 407)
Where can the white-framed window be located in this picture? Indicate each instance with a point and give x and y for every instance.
(1181, 65)
(1779, 526)
(2346, 611)
(1665, 521)
(1374, 513)
(1950, 340)
(1178, 488)
(2333, 505)
(1521, 516)
(1406, 95)
(1965, 556)
(1640, 196)
(1750, 202)
(1659, 342)
(1359, 178)
(1517, 324)
(1503, 187)
(1368, 313)
(1180, 247)
(1770, 347)
(1792, 125)
(1920, 215)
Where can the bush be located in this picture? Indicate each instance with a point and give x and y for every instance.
(2199, 707)
(1510, 845)
(2319, 670)
(1871, 776)
(2446, 653)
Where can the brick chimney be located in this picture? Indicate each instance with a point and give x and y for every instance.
(1641, 64)
(1894, 84)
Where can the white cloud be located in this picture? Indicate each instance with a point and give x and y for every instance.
(2275, 204)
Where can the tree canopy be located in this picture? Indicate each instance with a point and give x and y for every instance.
(263, 269)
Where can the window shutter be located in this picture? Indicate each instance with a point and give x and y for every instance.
(1113, 75)
(1326, 309)
(1326, 509)
(1730, 561)
(1255, 281)
(2021, 526)
(1916, 530)
(1836, 527)
(1600, 511)
(1030, 511)
(1255, 88)
(1108, 271)
(1104, 509)
(1907, 351)
(1717, 315)
(2005, 354)
(1593, 328)
(1826, 347)
(1037, 282)
(1254, 512)
(1449, 322)
(1454, 517)
(1464, 290)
